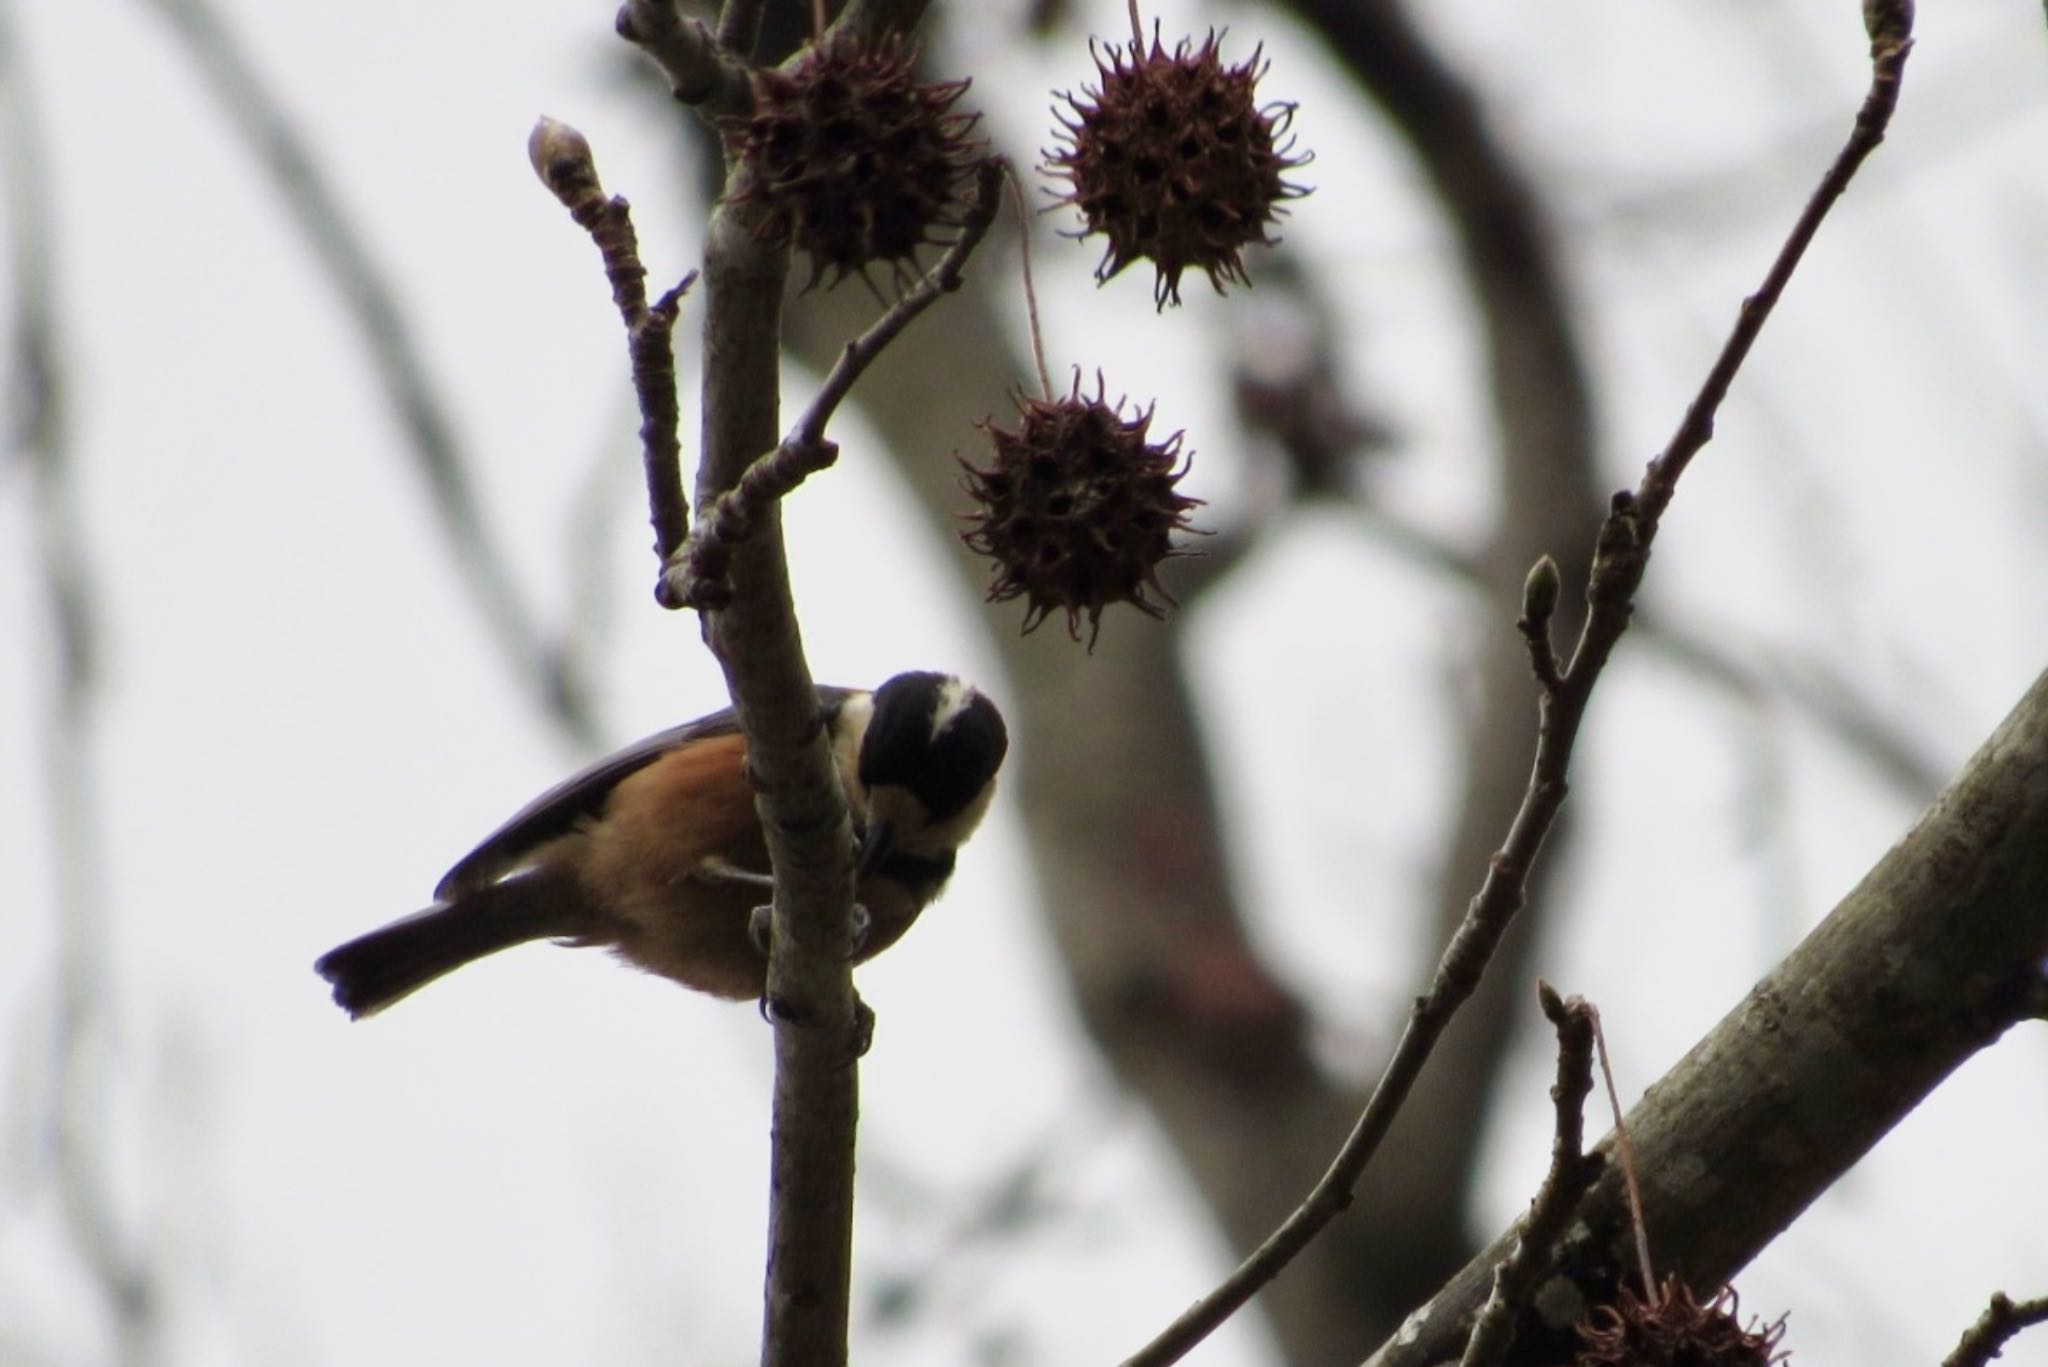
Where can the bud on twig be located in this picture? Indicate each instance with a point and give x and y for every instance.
(1540, 591)
(1888, 22)
(561, 158)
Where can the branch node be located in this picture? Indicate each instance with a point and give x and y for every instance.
(694, 576)
(943, 278)
(1571, 1175)
(1987, 1338)
(688, 54)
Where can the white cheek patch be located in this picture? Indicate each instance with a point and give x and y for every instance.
(955, 696)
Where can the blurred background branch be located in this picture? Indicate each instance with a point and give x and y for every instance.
(1163, 935)
(83, 1036)
(417, 400)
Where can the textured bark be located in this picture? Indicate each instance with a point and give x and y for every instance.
(1931, 958)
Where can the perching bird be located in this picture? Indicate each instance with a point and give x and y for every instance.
(657, 852)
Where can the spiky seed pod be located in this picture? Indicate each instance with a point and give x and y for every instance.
(854, 158)
(1174, 160)
(1674, 1330)
(1078, 509)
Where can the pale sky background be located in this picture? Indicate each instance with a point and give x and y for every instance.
(549, 1159)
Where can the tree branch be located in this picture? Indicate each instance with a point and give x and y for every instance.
(810, 841)
(1620, 557)
(820, 1028)
(694, 574)
(1987, 1338)
(1548, 491)
(561, 157)
(84, 1046)
(1930, 959)
(701, 68)
(1572, 1171)
(1888, 51)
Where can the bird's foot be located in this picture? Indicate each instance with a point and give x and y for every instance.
(860, 1035)
(760, 931)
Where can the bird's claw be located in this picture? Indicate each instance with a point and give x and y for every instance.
(863, 926)
(860, 1038)
(760, 932)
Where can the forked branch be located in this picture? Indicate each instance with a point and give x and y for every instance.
(1620, 556)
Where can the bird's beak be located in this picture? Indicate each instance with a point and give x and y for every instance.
(875, 845)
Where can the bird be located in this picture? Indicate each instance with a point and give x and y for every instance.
(657, 852)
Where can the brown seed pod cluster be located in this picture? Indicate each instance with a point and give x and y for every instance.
(854, 158)
(1078, 509)
(1174, 160)
(1674, 1330)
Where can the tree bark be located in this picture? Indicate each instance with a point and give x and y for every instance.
(1931, 958)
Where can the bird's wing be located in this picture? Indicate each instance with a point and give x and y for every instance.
(582, 796)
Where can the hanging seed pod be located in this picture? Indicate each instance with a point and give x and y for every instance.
(1674, 1330)
(855, 160)
(1174, 160)
(1078, 510)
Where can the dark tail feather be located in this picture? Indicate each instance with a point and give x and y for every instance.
(373, 971)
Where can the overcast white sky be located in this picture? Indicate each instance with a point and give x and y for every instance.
(547, 1159)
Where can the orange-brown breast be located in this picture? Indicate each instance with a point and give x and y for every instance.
(642, 868)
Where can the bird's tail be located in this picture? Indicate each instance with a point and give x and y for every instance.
(373, 971)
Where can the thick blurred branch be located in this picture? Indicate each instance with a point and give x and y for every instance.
(1289, 392)
(257, 114)
(1550, 504)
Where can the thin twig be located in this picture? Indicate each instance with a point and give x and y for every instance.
(1888, 61)
(943, 278)
(1030, 286)
(1572, 1173)
(695, 574)
(561, 158)
(1750, 670)
(1987, 1338)
(1625, 1152)
(1620, 556)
